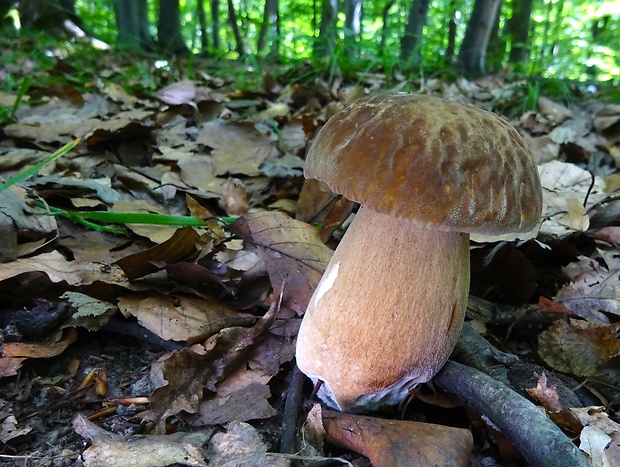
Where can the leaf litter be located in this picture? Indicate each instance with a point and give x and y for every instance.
(202, 320)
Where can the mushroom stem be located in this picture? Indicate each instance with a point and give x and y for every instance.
(386, 313)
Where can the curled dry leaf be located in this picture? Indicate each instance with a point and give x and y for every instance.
(566, 188)
(550, 400)
(181, 92)
(14, 353)
(179, 247)
(553, 111)
(394, 443)
(293, 251)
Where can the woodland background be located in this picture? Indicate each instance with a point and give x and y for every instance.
(159, 244)
(572, 39)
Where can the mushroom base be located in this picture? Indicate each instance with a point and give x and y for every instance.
(387, 312)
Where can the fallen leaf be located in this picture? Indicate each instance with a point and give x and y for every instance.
(241, 446)
(594, 286)
(14, 353)
(581, 348)
(295, 255)
(395, 443)
(237, 147)
(180, 246)
(181, 317)
(139, 451)
(243, 396)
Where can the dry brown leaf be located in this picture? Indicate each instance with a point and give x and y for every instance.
(9, 430)
(181, 318)
(238, 147)
(241, 446)
(108, 448)
(594, 286)
(14, 353)
(242, 396)
(190, 370)
(235, 197)
(550, 400)
(179, 247)
(565, 189)
(553, 111)
(293, 251)
(58, 269)
(582, 349)
(395, 443)
(181, 92)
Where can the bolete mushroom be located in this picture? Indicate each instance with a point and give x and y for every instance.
(427, 172)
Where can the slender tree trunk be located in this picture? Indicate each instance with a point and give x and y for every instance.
(269, 25)
(169, 36)
(202, 22)
(451, 33)
(132, 24)
(325, 44)
(215, 18)
(497, 46)
(518, 31)
(384, 19)
(352, 26)
(274, 53)
(474, 47)
(232, 20)
(411, 43)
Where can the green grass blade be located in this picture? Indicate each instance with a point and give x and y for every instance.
(24, 174)
(21, 92)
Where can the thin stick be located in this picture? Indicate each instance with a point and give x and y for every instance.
(291, 412)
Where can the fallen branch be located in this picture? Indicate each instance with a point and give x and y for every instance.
(536, 437)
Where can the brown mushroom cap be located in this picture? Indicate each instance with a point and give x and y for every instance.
(441, 164)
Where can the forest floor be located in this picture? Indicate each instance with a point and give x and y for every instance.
(141, 326)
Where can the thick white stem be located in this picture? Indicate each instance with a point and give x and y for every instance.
(387, 312)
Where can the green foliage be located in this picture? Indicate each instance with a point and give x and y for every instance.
(569, 39)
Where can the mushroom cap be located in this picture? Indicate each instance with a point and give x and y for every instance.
(441, 164)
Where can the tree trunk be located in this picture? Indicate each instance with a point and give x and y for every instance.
(474, 47)
(232, 20)
(497, 46)
(132, 24)
(411, 43)
(202, 22)
(215, 17)
(47, 15)
(325, 44)
(384, 17)
(269, 27)
(518, 30)
(451, 33)
(169, 37)
(352, 26)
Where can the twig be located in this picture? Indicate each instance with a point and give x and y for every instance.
(291, 412)
(536, 437)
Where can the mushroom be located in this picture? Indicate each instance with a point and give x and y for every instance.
(390, 306)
